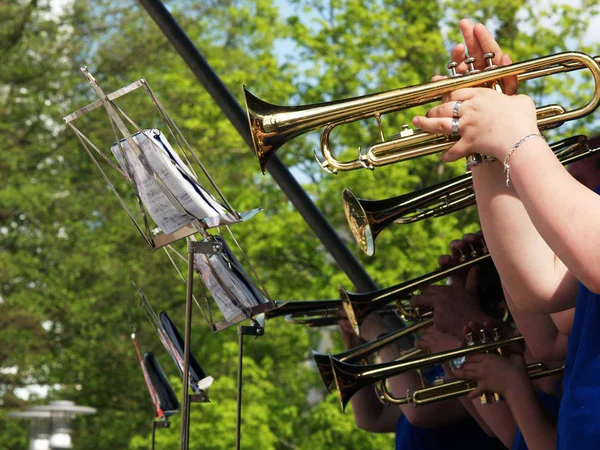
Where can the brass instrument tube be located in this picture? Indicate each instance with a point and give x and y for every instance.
(299, 306)
(359, 305)
(350, 378)
(271, 125)
(323, 361)
(457, 388)
(327, 317)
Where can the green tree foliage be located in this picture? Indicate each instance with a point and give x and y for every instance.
(69, 250)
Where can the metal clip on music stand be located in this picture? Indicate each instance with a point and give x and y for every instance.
(163, 180)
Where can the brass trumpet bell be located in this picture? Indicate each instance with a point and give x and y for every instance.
(367, 218)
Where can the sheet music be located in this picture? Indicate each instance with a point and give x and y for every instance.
(232, 293)
(158, 205)
(176, 177)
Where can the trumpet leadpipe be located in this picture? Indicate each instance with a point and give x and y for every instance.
(457, 388)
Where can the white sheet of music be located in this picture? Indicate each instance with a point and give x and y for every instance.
(221, 297)
(178, 177)
(175, 176)
(158, 205)
(217, 273)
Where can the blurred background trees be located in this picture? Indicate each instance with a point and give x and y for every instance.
(68, 250)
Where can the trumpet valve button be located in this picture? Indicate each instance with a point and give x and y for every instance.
(484, 335)
(484, 248)
(406, 131)
(469, 339)
(470, 62)
(496, 334)
(473, 252)
(489, 61)
(451, 66)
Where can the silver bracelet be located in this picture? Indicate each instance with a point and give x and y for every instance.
(514, 147)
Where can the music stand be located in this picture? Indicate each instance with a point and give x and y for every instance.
(168, 193)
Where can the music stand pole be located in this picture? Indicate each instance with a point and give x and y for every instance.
(253, 330)
(185, 408)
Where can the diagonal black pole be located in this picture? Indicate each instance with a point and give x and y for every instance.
(280, 173)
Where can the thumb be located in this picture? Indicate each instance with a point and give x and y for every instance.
(510, 83)
(478, 391)
(472, 280)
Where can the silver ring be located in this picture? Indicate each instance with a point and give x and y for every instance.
(455, 109)
(455, 127)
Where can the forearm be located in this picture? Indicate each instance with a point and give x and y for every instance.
(543, 338)
(495, 419)
(532, 275)
(538, 431)
(371, 415)
(553, 199)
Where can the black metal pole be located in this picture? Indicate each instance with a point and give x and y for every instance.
(185, 397)
(256, 330)
(153, 433)
(238, 422)
(280, 173)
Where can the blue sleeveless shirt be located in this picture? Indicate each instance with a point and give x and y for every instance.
(462, 435)
(579, 414)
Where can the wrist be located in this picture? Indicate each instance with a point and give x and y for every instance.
(519, 387)
(520, 143)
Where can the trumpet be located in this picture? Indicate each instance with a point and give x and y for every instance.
(323, 361)
(359, 305)
(350, 378)
(367, 218)
(272, 126)
(453, 388)
(328, 317)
